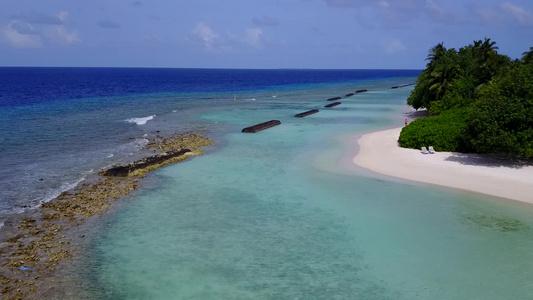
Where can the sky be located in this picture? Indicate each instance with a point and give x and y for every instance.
(308, 34)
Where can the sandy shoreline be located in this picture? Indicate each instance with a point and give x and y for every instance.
(379, 152)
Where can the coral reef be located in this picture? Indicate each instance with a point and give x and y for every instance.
(36, 245)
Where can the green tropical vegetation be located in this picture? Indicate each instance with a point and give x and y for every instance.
(478, 101)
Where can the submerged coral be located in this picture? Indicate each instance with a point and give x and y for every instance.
(35, 247)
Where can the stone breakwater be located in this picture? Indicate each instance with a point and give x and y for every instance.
(32, 247)
(125, 170)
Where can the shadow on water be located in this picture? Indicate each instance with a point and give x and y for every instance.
(493, 221)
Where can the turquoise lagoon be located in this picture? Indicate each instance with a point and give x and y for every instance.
(283, 214)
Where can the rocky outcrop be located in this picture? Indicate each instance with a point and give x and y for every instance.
(36, 243)
(125, 170)
(361, 91)
(349, 95)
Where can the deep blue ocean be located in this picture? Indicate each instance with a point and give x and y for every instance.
(279, 214)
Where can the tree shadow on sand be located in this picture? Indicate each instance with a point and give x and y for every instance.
(491, 161)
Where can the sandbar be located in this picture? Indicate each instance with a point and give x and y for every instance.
(506, 178)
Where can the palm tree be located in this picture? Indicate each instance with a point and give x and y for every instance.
(486, 65)
(436, 52)
(441, 79)
(489, 47)
(483, 50)
(527, 56)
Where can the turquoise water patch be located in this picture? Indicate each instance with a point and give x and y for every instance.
(256, 219)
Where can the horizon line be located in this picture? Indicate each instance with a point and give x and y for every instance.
(206, 68)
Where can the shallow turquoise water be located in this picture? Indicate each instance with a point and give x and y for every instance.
(273, 215)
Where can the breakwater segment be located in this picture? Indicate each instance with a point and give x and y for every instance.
(261, 126)
(306, 113)
(333, 104)
(125, 170)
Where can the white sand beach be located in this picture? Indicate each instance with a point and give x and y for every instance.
(379, 152)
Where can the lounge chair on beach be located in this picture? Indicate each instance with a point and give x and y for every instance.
(424, 150)
(431, 150)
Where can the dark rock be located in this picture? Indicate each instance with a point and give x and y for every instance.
(403, 85)
(333, 104)
(361, 91)
(334, 98)
(349, 95)
(124, 170)
(261, 126)
(307, 113)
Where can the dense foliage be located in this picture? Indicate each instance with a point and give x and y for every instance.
(443, 132)
(502, 119)
(478, 101)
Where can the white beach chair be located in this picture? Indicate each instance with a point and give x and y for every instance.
(431, 150)
(424, 150)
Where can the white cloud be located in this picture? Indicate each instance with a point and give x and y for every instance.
(392, 45)
(59, 35)
(38, 18)
(254, 37)
(209, 39)
(505, 13)
(16, 39)
(22, 27)
(204, 34)
(518, 13)
(30, 30)
(440, 14)
(63, 16)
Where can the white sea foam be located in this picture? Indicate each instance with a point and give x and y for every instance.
(47, 198)
(140, 143)
(251, 99)
(64, 187)
(140, 121)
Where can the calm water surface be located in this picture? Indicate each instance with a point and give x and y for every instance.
(271, 215)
